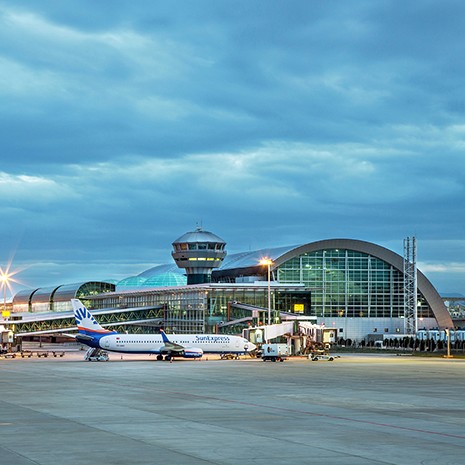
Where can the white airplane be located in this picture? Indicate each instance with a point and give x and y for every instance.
(180, 345)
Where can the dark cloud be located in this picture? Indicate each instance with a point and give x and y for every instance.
(123, 125)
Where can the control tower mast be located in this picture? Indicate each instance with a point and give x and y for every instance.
(198, 252)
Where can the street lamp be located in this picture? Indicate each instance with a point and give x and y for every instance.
(268, 262)
(5, 280)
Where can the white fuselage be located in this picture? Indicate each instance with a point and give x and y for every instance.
(153, 343)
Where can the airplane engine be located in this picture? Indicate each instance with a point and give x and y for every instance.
(193, 352)
(186, 352)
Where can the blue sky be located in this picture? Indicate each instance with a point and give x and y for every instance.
(124, 125)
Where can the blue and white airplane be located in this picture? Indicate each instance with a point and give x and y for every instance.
(179, 345)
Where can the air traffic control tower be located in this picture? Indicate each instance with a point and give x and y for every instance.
(198, 252)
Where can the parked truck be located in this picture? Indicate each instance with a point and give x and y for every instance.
(275, 352)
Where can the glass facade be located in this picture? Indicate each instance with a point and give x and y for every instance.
(200, 309)
(347, 283)
(183, 308)
(230, 303)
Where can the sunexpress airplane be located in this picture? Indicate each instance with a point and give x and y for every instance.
(180, 345)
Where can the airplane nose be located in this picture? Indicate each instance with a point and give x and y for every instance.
(250, 347)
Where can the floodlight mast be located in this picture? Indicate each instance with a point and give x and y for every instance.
(410, 286)
(268, 262)
(5, 279)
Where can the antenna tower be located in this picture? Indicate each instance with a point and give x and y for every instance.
(410, 285)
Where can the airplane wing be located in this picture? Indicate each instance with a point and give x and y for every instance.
(173, 349)
(171, 346)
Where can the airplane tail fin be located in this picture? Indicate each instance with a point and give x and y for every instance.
(164, 337)
(85, 322)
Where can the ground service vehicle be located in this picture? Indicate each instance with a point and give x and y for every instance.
(96, 355)
(320, 355)
(275, 352)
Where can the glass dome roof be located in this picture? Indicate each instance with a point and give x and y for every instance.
(130, 283)
(160, 269)
(166, 280)
(158, 276)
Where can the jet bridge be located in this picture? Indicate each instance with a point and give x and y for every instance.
(301, 335)
(35, 324)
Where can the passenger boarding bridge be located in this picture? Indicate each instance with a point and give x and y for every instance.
(141, 320)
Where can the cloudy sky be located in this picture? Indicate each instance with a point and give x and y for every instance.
(124, 125)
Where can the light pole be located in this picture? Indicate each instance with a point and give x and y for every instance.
(268, 262)
(5, 279)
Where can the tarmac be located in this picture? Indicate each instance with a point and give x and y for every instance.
(357, 409)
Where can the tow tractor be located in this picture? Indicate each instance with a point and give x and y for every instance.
(229, 356)
(321, 356)
(321, 352)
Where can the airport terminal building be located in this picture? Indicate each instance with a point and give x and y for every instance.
(355, 287)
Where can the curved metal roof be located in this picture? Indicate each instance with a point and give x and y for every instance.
(67, 292)
(43, 294)
(199, 235)
(24, 296)
(73, 290)
(60, 293)
(252, 258)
